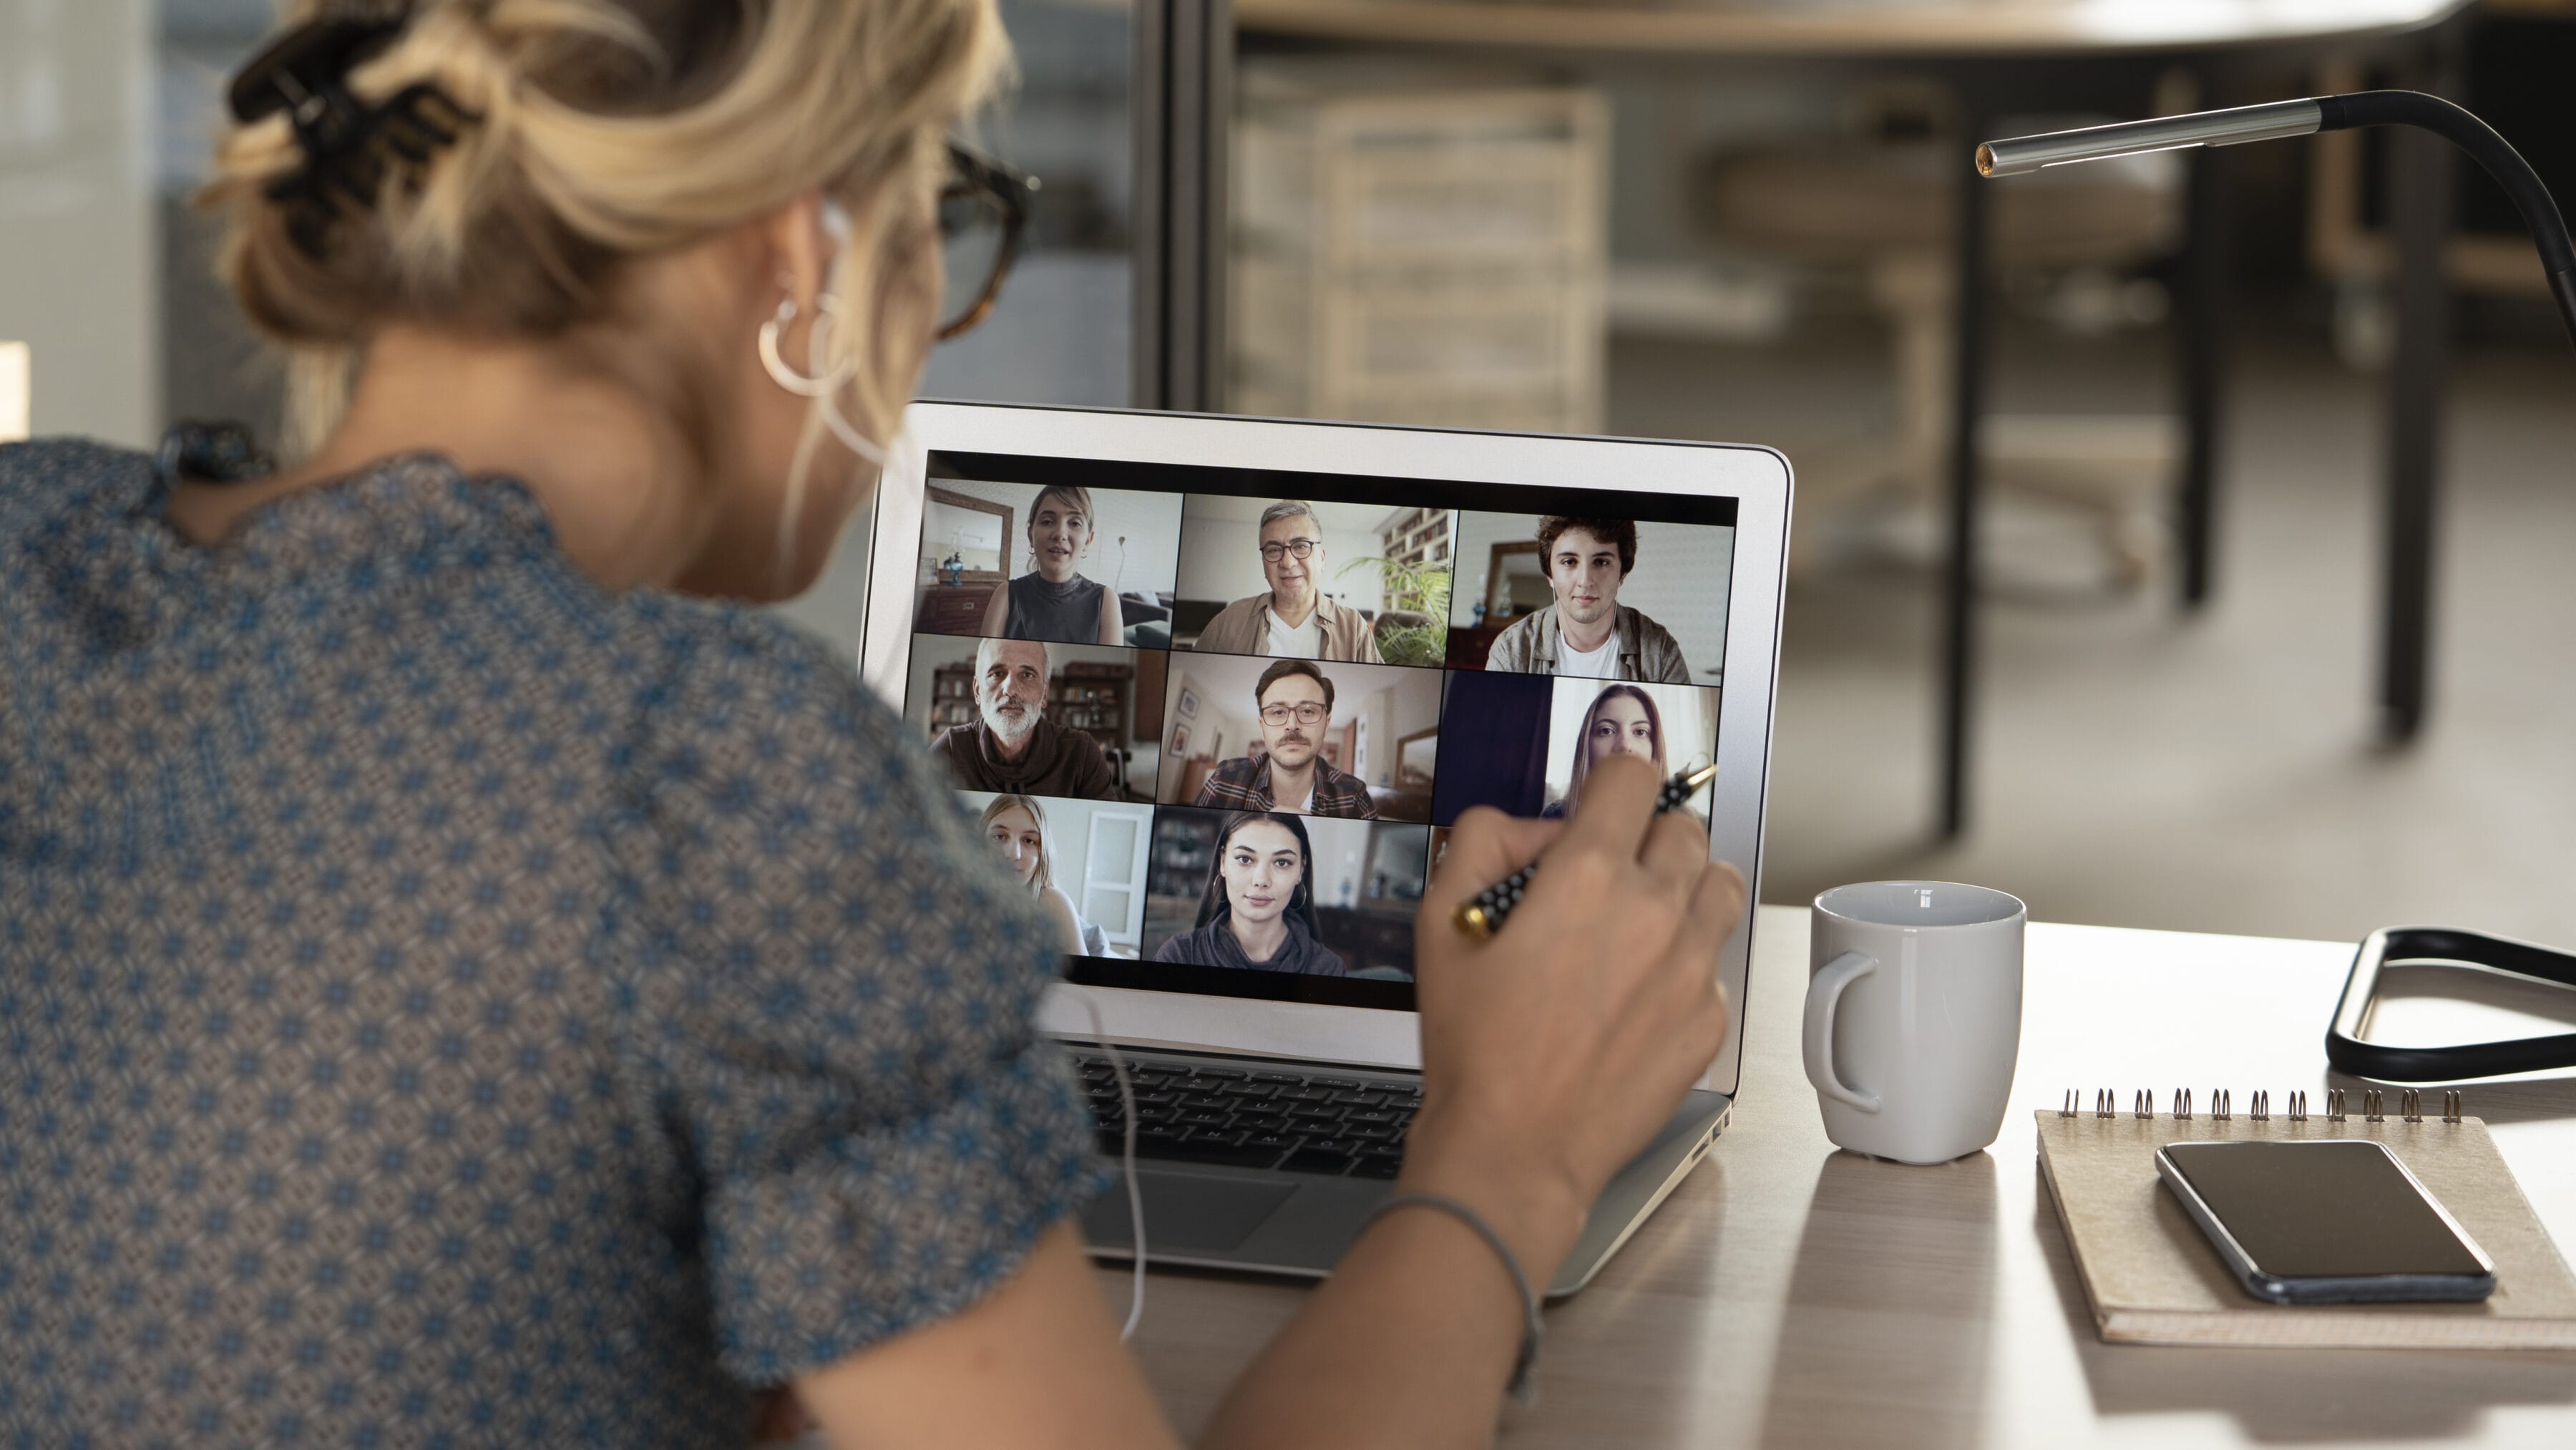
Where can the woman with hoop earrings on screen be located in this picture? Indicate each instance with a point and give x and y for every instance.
(1258, 912)
(1053, 601)
(1623, 720)
(573, 994)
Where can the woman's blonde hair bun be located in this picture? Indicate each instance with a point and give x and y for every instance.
(606, 130)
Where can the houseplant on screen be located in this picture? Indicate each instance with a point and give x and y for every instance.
(1417, 590)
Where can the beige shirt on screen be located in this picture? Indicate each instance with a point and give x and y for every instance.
(1646, 649)
(1243, 628)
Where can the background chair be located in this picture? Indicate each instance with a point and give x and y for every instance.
(1886, 210)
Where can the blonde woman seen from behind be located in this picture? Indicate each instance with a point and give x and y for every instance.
(479, 826)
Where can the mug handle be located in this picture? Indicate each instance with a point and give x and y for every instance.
(1824, 995)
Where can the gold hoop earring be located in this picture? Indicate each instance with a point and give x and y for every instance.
(827, 313)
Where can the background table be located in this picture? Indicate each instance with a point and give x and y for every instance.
(1792, 1295)
(2002, 58)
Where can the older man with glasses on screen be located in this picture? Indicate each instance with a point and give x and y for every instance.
(1296, 706)
(1293, 619)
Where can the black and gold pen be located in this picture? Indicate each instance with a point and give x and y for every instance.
(1483, 917)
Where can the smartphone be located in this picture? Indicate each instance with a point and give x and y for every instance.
(2328, 1221)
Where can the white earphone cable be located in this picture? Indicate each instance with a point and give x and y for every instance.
(837, 225)
(822, 384)
(1127, 1160)
(819, 364)
(828, 404)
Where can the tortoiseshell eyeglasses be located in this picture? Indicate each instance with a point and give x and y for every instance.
(983, 209)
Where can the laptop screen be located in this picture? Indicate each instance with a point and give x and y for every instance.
(1221, 720)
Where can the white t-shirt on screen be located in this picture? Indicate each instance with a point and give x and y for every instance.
(1590, 664)
(1304, 642)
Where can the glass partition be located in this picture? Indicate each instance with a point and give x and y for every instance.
(1060, 333)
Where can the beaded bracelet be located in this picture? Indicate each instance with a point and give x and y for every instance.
(1523, 1390)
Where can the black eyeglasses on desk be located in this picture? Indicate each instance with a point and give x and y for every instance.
(983, 209)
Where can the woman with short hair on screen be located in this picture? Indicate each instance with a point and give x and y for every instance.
(1623, 720)
(1258, 911)
(1053, 601)
(1016, 825)
(432, 802)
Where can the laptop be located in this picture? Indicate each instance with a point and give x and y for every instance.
(1244, 676)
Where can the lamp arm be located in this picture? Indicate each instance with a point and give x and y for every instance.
(2540, 215)
(2531, 197)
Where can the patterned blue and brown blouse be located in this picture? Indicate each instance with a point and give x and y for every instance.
(444, 1003)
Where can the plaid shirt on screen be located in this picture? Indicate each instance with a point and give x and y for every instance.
(1243, 784)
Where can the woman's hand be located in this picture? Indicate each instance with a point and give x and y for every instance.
(1549, 1055)
(1552, 1052)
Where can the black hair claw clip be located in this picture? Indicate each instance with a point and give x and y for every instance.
(349, 145)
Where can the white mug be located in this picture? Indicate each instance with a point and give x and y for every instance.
(1914, 1016)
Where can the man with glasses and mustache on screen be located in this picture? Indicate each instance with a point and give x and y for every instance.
(1013, 748)
(1293, 619)
(1587, 632)
(1296, 706)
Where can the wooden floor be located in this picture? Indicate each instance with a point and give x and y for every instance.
(2211, 774)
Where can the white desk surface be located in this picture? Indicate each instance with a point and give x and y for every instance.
(1791, 1295)
(1830, 28)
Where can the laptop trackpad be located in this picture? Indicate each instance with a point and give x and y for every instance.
(1185, 1212)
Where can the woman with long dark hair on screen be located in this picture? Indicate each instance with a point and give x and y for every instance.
(1258, 911)
(1053, 601)
(1623, 720)
(484, 984)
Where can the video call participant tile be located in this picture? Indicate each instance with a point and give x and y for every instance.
(1322, 739)
(1601, 598)
(1031, 718)
(1268, 891)
(1289, 578)
(1063, 563)
(1082, 861)
(1672, 727)
(1534, 740)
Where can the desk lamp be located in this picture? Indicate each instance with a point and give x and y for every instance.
(2278, 119)
(2274, 121)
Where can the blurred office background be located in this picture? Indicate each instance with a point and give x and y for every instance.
(1711, 246)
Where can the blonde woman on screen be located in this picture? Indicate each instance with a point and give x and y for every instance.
(575, 994)
(1016, 825)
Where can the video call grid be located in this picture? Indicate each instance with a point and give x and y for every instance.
(1166, 668)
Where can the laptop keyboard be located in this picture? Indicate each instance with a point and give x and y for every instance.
(1250, 1117)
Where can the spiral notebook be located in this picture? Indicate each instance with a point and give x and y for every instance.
(2153, 1278)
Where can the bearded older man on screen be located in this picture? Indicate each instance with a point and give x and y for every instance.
(1011, 746)
(1587, 632)
(1291, 619)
